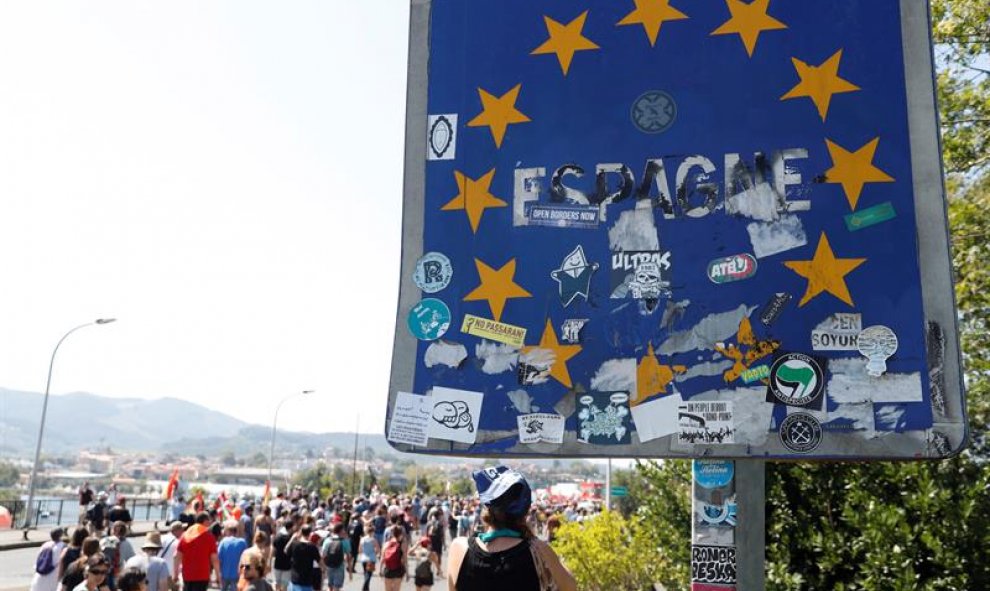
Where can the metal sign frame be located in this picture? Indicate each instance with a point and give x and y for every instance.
(939, 371)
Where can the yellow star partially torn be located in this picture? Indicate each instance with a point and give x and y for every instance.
(749, 20)
(854, 169)
(562, 353)
(565, 40)
(496, 287)
(652, 378)
(825, 273)
(819, 83)
(652, 14)
(498, 112)
(742, 360)
(474, 197)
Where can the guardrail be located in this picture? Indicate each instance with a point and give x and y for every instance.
(64, 512)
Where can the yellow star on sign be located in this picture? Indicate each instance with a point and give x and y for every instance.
(565, 40)
(652, 14)
(474, 197)
(498, 112)
(652, 378)
(825, 273)
(854, 169)
(749, 20)
(496, 287)
(819, 83)
(562, 353)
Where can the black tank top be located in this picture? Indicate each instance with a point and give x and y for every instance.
(497, 571)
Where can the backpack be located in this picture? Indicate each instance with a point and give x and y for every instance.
(44, 563)
(108, 546)
(392, 556)
(423, 570)
(333, 552)
(436, 532)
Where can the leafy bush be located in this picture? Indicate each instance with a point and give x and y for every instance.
(611, 553)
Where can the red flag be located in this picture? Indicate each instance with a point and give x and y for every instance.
(201, 503)
(173, 483)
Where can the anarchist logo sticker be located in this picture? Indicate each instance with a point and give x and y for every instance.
(796, 380)
(801, 433)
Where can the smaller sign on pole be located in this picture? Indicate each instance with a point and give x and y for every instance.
(620, 491)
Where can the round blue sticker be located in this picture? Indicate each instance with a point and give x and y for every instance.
(429, 319)
(713, 473)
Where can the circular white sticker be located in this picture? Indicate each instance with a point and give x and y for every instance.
(433, 272)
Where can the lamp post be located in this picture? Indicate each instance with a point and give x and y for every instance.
(44, 413)
(271, 452)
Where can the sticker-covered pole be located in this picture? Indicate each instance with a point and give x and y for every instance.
(727, 537)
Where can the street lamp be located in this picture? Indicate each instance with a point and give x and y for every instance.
(271, 453)
(44, 412)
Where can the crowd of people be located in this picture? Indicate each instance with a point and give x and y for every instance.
(301, 542)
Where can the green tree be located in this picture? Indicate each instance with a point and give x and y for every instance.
(607, 553)
(323, 479)
(8, 474)
(228, 459)
(962, 36)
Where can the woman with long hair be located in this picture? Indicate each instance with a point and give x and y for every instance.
(73, 551)
(75, 572)
(369, 555)
(507, 555)
(393, 567)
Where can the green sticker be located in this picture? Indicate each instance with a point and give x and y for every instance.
(756, 373)
(870, 216)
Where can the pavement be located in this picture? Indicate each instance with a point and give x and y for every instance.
(17, 560)
(13, 539)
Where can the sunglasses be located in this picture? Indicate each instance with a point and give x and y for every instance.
(246, 566)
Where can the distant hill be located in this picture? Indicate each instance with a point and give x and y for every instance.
(254, 438)
(81, 420)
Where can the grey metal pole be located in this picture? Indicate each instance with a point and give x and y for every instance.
(751, 494)
(271, 450)
(608, 485)
(44, 415)
(357, 427)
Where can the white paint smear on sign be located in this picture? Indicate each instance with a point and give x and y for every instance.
(615, 375)
(634, 230)
(444, 353)
(851, 383)
(410, 419)
(711, 329)
(454, 414)
(656, 418)
(770, 238)
(541, 428)
(496, 358)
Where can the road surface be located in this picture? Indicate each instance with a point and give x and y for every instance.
(17, 566)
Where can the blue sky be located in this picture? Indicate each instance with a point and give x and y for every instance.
(223, 177)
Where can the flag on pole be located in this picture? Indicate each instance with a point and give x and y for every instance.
(267, 495)
(173, 484)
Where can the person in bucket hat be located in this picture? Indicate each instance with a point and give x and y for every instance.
(507, 555)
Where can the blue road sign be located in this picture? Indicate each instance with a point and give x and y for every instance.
(645, 205)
